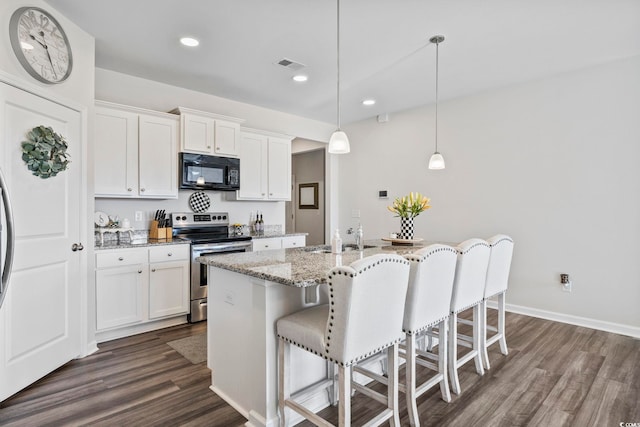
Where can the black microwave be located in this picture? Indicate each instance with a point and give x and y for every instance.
(202, 172)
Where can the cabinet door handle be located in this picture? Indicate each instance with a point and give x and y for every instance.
(139, 271)
(74, 247)
(120, 259)
(271, 194)
(169, 254)
(80, 247)
(142, 190)
(263, 194)
(129, 190)
(153, 270)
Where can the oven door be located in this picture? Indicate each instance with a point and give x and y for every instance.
(199, 271)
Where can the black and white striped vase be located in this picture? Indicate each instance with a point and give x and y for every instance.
(406, 228)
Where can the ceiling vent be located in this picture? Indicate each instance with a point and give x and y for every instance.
(291, 65)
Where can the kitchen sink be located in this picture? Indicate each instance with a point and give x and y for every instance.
(327, 248)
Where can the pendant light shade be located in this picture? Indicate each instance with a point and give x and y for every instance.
(436, 161)
(339, 143)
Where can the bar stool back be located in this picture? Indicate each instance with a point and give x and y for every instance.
(428, 304)
(497, 283)
(364, 316)
(468, 292)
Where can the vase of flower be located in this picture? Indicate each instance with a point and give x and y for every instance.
(406, 228)
(407, 208)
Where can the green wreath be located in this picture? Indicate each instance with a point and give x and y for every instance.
(44, 152)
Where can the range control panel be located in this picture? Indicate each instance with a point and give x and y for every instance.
(190, 219)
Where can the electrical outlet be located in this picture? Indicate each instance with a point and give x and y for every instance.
(138, 216)
(565, 282)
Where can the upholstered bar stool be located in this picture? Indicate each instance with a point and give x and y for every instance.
(496, 285)
(364, 316)
(468, 292)
(428, 305)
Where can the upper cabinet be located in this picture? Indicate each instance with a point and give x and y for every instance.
(135, 152)
(265, 166)
(208, 133)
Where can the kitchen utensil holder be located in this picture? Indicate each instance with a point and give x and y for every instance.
(160, 233)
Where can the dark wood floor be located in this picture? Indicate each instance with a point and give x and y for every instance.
(555, 375)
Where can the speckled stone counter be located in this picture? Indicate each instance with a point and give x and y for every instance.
(140, 244)
(299, 267)
(267, 235)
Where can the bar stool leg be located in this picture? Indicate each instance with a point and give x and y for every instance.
(453, 353)
(284, 352)
(477, 340)
(410, 369)
(501, 322)
(483, 335)
(392, 392)
(344, 404)
(442, 361)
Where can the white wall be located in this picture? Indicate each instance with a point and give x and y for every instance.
(553, 163)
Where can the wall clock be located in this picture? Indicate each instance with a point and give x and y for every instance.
(40, 44)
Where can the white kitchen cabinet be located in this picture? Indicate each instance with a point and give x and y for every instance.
(135, 152)
(265, 167)
(168, 281)
(285, 242)
(121, 279)
(294, 242)
(208, 133)
(157, 157)
(141, 289)
(267, 243)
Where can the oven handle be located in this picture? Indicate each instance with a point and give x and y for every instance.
(222, 247)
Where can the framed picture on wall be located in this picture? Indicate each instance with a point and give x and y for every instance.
(308, 196)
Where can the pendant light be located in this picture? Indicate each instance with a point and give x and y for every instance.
(338, 143)
(436, 161)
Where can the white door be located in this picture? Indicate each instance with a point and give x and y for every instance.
(40, 317)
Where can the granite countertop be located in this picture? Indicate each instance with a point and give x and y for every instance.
(276, 234)
(299, 267)
(140, 244)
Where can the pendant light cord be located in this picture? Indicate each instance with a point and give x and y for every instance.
(437, 68)
(338, 64)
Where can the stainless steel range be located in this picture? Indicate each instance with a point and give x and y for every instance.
(208, 234)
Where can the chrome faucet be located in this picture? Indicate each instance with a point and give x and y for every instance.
(359, 236)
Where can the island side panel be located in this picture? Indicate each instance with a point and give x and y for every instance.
(242, 315)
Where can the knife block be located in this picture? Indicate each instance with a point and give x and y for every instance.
(160, 233)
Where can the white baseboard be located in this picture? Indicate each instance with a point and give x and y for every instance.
(616, 328)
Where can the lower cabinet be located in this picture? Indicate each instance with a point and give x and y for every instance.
(165, 298)
(285, 242)
(141, 289)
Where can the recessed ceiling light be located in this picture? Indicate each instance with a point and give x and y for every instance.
(368, 102)
(189, 41)
(300, 78)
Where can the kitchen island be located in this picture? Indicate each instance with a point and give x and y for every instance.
(248, 293)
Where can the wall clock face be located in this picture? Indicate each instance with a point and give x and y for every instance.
(40, 44)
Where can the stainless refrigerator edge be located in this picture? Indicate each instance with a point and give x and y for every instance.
(6, 243)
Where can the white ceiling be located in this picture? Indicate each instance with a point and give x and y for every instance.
(385, 52)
